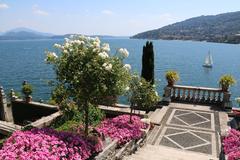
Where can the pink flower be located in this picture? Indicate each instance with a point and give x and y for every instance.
(231, 144)
(47, 144)
(120, 129)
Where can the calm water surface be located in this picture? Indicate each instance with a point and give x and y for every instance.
(24, 60)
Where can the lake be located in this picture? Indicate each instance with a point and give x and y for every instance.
(24, 60)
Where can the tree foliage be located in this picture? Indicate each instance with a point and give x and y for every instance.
(86, 73)
(148, 62)
(142, 94)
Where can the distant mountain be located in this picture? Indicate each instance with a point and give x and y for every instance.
(24, 34)
(23, 29)
(100, 36)
(222, 28)
(28, 34)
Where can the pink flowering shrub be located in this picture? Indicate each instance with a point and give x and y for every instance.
(120, 129)
(231, 144)
(48, 144)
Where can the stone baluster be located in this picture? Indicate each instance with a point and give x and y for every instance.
(188, 94)
(178, 93)
(219, 97)
(203, 95)
(209, 96)
(198, 95)
(184, 94)
(214, 96)
(167, 94)
(174, 93)
(5, 110)
(193, 95)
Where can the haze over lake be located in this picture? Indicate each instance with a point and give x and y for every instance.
(24, 60)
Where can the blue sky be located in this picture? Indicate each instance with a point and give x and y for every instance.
(106, 17)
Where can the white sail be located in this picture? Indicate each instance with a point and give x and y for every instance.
(208, 61)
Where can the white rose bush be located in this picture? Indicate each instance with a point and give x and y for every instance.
(142, 94)
(86, 72)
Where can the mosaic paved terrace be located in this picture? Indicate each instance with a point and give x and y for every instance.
(190, 130)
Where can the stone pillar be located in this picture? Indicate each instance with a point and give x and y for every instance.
(167, 94)
(12, 95)
(5, 110)
(227, 104)
(2, 103)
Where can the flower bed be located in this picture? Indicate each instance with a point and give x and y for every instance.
(120, 129)
(41, 144)
(231, 144)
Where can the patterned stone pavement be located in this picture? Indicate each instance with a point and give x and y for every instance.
(186, 129)
(189, 130)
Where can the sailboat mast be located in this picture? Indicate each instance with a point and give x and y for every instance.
(210, 58)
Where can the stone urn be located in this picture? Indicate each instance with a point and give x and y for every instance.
(225, 88)
(28, 98)
(170, 82)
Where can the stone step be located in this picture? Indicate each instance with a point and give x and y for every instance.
(157, 116)
(7, 128)
(150, 152)
(150, 113)
(153, 135)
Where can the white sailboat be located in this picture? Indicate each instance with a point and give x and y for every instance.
(208, 61)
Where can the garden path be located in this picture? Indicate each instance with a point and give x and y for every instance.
(184, 132)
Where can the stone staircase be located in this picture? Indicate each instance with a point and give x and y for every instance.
(151, 152)
(7, 128)
(172, 140)
(157, 115)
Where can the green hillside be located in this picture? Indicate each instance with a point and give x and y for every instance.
(222, 28)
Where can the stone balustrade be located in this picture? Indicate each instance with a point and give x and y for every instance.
(194, 94)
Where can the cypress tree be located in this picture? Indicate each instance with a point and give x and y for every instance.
(148, 62)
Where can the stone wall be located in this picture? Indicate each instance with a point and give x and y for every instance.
(25, 113)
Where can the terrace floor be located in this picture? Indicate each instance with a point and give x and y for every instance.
(184, 132)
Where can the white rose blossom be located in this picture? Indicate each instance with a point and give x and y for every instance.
(65, 51)
(156, 93)
(67, 45)
(127, 89)
(127, 67)
(107, 66)
(72, 36)
(106, 47)
(78, 42)
(96, 44)
(57, 45)
(51, 56)
(66, 39)
(124, 52)
(103, 55)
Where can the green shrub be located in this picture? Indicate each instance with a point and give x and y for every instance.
(226, 81)
(68, 125)
(142, 93)
(27, 89)
(52, 102)
(72, 119)
(172, 76)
